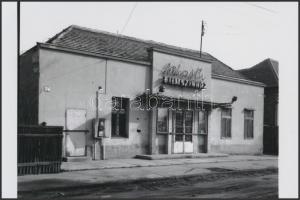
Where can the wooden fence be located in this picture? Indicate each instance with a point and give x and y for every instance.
(271, 140)
(39, 149)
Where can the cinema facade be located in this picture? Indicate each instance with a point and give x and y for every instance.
(118, 97)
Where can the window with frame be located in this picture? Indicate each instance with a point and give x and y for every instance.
(188, 121)
(162, 120)
(202, 122)
(248, 123)
(226, 123)
(119, 117)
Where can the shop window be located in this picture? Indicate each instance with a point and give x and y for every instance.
(119, 117)
(179, 122)
(226, 123)
(188, 121)
(248, 123)
(162, 120)
(202, 122)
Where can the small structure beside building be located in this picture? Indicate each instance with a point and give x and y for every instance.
(118, 96)
(39, 149)
(267, 73)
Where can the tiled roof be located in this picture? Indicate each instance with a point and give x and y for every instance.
(265, 72)
(100, 42)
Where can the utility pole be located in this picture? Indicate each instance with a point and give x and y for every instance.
(202, 34)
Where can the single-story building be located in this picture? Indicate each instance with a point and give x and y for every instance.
(118, 96)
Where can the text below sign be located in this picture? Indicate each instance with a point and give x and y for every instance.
(174, 75)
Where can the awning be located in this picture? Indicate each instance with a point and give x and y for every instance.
(162, 101)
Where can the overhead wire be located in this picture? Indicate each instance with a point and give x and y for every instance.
(129, 17)
(261, 7)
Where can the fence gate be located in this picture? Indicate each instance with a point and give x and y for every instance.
(39, 149)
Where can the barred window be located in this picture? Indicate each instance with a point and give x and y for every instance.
(119, 117)
(226, 123)
(248, 123)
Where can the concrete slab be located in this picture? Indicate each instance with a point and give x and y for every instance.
(132, 163)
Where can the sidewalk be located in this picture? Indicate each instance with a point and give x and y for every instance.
(78, 175)
(129, 163)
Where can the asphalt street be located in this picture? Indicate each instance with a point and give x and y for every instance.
(220, 183)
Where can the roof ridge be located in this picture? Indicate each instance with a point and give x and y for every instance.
(272, 67)
(59, 35)
(136, 48)
(219, 61)
(237, 71)
(136, 39)
(263, 67)
(255, 65)
(272, 59)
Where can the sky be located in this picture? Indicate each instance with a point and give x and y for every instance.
(240, 34)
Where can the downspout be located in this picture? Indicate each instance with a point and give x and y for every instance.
(105, 92)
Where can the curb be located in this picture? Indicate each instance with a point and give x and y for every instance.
(158, 165)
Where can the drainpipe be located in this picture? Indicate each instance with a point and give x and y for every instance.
(99, 91)
(100, 140)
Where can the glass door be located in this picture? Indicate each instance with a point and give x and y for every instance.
(183, 128)
(178, 143)
(188, 138)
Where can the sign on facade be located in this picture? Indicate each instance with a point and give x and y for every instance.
(174, 75)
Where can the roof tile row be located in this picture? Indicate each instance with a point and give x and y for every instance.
(100, 42)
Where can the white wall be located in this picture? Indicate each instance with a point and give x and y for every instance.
(74, 80)
(251, 97)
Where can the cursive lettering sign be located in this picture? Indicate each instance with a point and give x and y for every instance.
(173, 75)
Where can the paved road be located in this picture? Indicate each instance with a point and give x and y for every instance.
(86, 178)
(220, 183)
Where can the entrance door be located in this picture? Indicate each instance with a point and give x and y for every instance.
(183, 128)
